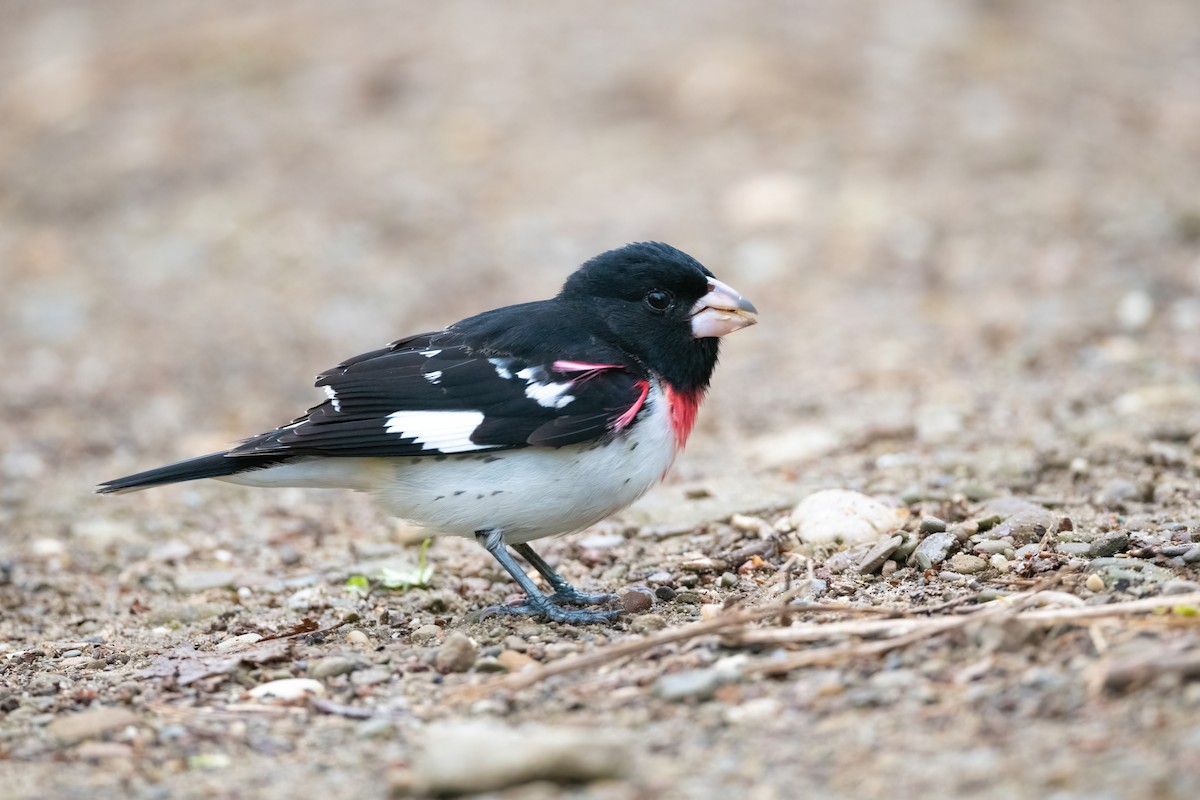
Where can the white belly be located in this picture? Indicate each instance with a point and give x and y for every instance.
(527, 493)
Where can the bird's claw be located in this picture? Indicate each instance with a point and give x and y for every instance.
(573, 597)
(548, 607)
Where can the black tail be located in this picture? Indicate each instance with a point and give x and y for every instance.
(213, 465)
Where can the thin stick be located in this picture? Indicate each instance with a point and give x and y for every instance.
(528, 677)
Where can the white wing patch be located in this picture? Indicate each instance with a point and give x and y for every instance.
(429, 353)
(546, 395)
(433, 377)
(447, 431)
(333, 398)
(501, 365)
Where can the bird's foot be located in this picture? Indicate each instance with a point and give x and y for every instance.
(573, 597)
(542, 606)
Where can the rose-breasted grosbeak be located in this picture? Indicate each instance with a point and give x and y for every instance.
(522, 422)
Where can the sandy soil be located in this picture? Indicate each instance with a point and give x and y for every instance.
(971, 229)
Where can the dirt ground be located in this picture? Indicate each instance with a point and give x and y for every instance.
(971, 229)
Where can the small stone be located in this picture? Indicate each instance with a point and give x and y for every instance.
(1180, 586)
(873, 559)
(703, 565)
(889, 568)
(1079, 467)
(74, 728)
(477, 756)
(489, 664)
(370, 677)
(1109, 544)
(637, 601)
(288, 689)
(331, 666)
(667, 594)
(727, 580)
(1073, 548)
(710, 611)
(932, 550)
(1192, 556)
(456, 654)
(967, 564)
(357, 638)
(193, 582)
(1094, 583)
(647, 623)
(747, 523)
(238, 642)
(838, 515)
(931, 524)
(1117, 494)
(513, 661)
(426, 634)
(377, 727)
(660, 578)
(698, 684)
(999, 562)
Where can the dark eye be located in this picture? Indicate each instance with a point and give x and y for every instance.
(659, 299)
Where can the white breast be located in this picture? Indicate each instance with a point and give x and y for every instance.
(528, 493)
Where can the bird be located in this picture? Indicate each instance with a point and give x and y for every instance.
(522, 422)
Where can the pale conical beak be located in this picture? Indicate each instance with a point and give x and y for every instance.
(721, 311)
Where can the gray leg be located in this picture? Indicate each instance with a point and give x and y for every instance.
(536, 603)
(563, 591)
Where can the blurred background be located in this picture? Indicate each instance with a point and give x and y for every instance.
(964, 222)
(972, 228)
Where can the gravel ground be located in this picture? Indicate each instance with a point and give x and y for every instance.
(971, 230)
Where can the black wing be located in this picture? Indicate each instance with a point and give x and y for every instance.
(433, 395)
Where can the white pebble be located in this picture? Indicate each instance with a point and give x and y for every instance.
(288, 689)
(838, 515)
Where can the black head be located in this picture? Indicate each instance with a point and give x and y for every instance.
(660, 306)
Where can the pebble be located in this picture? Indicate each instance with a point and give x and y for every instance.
(1192, 556)
(967, 564)
(1074, 548)
(238, 642)
(667, 594)
(377, 727)
(746, 523)
(74, 728)
(727, 580)
(838, 515)
(648, 623)
(873, 559)
(456, 654)
(288, 689)
(999, 562)
(331, 666)
(1134, 570)
(698, 684)
(1109, 544)
(660, 578)
(1094, 583)
(474, 756)
(358, 638)
(426, 634)
(1180, 586)
(370, 677)
(1118, 493)
(932, 550)
(192, 582)
(994, 546)
(931, 524)
(637, 601)
(758, 710)
(489, 664)
(514, 661)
